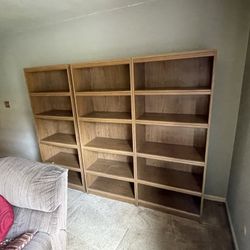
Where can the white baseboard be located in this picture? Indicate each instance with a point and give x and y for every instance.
(232, 227)
(214, 198)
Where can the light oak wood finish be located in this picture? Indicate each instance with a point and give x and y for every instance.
(68, 160)
(177, 110)
(110, 168)
(116, 188)
(104, 109)
(66, 115)
(173, 91)
(109, 145)
(54, 93)
(51, 97)
(104, 93)
(169, 179)
(169, 199)
(75, 180)
(208, 133)
(142, 125)
(101, 77)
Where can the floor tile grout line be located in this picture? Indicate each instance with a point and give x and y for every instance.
(122, 239)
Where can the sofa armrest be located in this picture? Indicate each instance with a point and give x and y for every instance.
(32, 185)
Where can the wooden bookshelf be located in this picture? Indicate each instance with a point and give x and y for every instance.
(134, 130)
(53, 107)
(173, 96)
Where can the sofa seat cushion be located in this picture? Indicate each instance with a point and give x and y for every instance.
(27, 220)
(41, 241)
(21, 241)
(32, 185)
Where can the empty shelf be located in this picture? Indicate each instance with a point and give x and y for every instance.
(172, 152)
(74, 178)
(200, 121)
(169, 200)
(119, 117)
(118, 146)
(59, 139)
(170, 179)
(113, 169)
(113, 187)
(66, 159)
(56, 114)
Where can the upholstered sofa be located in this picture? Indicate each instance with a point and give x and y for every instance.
(38, 193)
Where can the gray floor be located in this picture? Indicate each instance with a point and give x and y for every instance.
(104, 224)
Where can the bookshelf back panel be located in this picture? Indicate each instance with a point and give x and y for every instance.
(48, 151)
(48, 103)
(51, 127)
(90, 157)
(114, 77)
(91, 130)
(171, 135)
(174, 104)
(170, 199)
(170, 165)
(88, 105)
(48, 81)
(181, 73)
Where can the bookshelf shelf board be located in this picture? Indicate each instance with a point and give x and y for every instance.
(112, 169)
(169, 200)
(51, 93)
(170, 179)
(114, 117)
(60, 139)
(68, 160)
(173, 91)
(172, 152)
(74, 179)
(56, 115)
(105, 93)
(197, 121)
(118, 146)
(117, 188)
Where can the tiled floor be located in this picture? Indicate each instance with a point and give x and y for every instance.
(103, 224)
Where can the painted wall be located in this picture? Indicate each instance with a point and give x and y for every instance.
(239, 186)
(150, 28)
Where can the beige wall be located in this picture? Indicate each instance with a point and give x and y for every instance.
(155, 27)
(239, 186)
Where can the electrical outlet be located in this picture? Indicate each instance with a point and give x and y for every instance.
(7, 104)
(245, 230)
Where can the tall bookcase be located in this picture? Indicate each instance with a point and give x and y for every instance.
(143, 126)
(103, 102)
(173, 104)
(53, 107)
